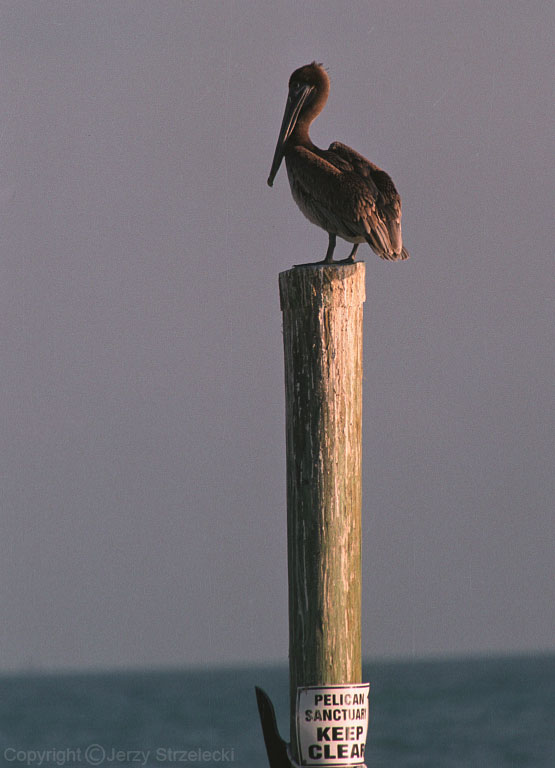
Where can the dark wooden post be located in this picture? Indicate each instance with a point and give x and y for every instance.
(322, 336)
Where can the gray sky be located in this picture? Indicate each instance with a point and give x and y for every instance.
(142, 442)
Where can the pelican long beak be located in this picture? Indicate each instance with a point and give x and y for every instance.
(295, 100)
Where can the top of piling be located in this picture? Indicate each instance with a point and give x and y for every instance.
(312, 286)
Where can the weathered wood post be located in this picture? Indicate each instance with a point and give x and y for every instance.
(322, 335)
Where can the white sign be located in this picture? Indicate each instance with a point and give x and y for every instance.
(332, 722)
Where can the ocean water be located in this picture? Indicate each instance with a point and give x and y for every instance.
(470, 713)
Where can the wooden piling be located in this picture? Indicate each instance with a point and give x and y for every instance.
(322, 336)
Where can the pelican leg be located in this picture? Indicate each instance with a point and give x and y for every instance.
(351, 257)
(331, 249)
(329, 254)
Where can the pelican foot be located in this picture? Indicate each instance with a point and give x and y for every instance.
(323, 263)
(351, 257)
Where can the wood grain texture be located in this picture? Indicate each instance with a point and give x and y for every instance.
(322, 334)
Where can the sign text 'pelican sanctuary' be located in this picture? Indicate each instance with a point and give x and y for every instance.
(332, 722)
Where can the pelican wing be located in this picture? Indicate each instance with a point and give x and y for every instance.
(337, 197)
(319, 189)
(379, 197)
(349, 160)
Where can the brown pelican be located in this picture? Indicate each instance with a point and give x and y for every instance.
(336, 189)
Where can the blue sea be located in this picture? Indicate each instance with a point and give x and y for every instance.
(469, 713)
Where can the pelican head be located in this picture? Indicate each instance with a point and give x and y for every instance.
(308, 92)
